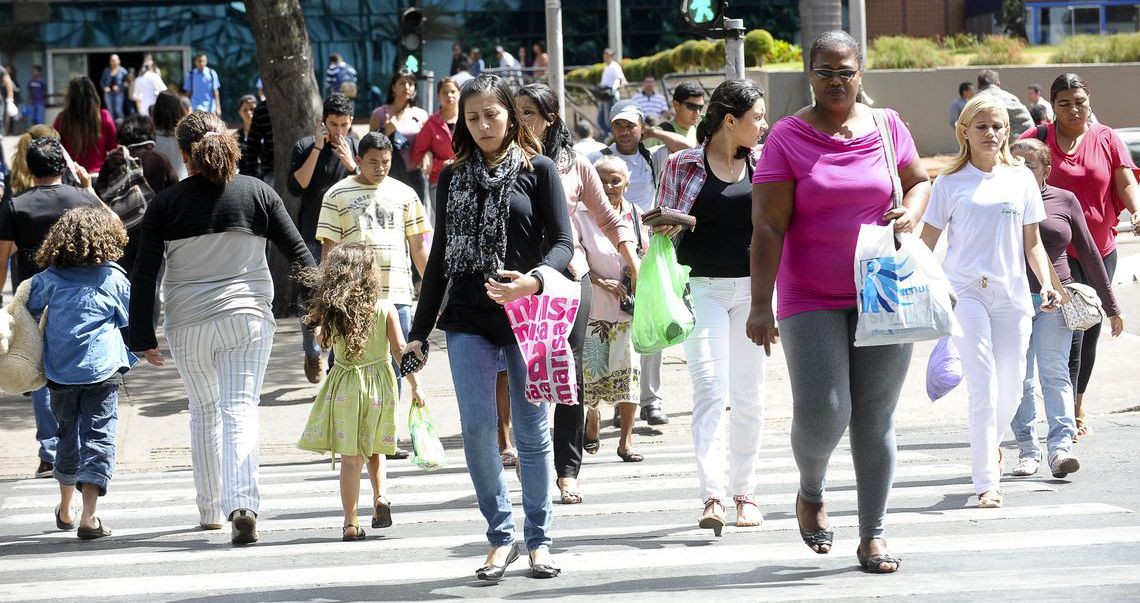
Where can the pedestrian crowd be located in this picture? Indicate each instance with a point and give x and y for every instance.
(491, 198)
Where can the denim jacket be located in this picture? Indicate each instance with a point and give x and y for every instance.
(86, 306)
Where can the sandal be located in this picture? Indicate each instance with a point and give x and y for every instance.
(745, 499)
(712, 518)
(357, 534)
(569, 497)
(98, 531)
(509, 457)
(382, 518)
(873, 563)
(592, 445)
(815, 540)
(65, 526)
(990, 499)
(1083, 428)
(630, 456)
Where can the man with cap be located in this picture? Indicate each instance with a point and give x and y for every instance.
(645, 168)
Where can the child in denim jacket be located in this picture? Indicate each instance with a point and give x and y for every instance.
(86, 295)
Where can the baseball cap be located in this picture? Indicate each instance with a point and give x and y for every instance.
(627, 110)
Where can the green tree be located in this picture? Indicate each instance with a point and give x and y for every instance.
(1013, 18)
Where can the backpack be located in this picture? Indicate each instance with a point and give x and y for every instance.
(127, 192)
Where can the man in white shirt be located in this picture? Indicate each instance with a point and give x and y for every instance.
(651, 102)
(613, 78)
(586, 144)
(645, 169)
(1034, 96)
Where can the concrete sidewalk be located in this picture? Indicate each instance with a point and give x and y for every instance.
(154, 422)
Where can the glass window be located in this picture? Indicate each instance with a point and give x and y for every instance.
(1122, 19)
(1086, 20)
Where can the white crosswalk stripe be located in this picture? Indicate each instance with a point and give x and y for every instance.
(639, 517)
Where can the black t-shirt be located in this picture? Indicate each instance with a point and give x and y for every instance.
(27, 218)
(720, 244)
(329, 171)
(538, 234)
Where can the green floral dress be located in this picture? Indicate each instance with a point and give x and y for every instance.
(354, 413)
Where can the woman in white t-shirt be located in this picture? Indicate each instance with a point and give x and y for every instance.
(991, 205)
(147, 86)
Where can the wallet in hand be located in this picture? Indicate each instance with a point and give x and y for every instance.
(663, 216)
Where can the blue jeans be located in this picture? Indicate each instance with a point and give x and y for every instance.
(46, 424)
(114, 104)
(90, 412)
(473, 369)
(308, 342)
(35, 114)
(1049, 349)
(405, 314)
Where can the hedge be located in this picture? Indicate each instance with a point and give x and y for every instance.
(695, 55)
(999, 50)
(1117, 48)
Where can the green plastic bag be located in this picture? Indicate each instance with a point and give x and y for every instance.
(427, 450)
(663, 312)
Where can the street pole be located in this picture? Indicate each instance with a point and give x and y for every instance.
(734, 49)
(554, 70)
(613, 13)
(858, 16)
(428, 90)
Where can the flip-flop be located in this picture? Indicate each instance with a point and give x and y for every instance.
(570, 497)
(509, 458)
(382, 518)
(98, 531)
(64, 526)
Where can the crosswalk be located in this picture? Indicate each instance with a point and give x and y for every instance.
(635, 535)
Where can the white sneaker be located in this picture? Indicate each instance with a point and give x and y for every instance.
(1026, 466)
(1062, 464)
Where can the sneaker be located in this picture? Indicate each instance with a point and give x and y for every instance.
(314, 368)
(45, 469)
(244, 527)
(654, 416)
(1025, 466)
(1062, 464)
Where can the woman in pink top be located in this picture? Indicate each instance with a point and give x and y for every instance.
(432, 148)
(87, 132)
(399, 114)
(1093, 163)
(823, 174)
(538, 109)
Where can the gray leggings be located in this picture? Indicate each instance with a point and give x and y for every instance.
(835, 384)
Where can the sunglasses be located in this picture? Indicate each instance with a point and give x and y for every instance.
(698, 107)
(844, 74)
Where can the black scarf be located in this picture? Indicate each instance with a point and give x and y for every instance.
(478, 207)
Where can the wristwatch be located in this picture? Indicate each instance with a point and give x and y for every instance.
(356, 170)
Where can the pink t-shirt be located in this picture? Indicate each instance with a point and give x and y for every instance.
(840, 185)
(1088, 173)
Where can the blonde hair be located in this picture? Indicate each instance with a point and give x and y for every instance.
(977, 105)
(21, 177)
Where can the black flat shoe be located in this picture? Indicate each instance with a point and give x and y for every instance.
(543, 571)
(815, 540)
(592, 446)
(495, 572)
(873, 563)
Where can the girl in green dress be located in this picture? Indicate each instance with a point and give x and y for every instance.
(354, 414)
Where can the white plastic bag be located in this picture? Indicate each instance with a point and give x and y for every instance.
(903, 295)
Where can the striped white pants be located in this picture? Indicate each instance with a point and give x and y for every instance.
(222, 362)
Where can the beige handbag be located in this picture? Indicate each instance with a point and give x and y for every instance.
(1084, 309)
(21, 346)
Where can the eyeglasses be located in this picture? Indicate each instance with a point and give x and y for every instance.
(698, 107)
(844, 74)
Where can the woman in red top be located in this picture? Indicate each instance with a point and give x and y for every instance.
(87, 131)
(432, 148)
(1092, 162)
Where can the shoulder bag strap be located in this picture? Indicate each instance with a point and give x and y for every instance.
(636, 226)
(880, 116)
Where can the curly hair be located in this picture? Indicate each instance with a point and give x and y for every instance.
(84, 236)
(343, 298)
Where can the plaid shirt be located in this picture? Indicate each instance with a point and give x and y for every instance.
(685, 175)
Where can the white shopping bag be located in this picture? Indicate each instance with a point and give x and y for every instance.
(903, 295)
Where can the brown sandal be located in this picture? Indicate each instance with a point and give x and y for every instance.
(358, 534)
(713, 516)
(382, 517)
(746, 499)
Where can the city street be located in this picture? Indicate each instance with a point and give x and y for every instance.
(634, 537)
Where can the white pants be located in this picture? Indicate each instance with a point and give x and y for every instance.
(222, 362)
(726, 368)
(996, 330)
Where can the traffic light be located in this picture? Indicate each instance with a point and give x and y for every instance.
(703, 15)
(411, 42)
